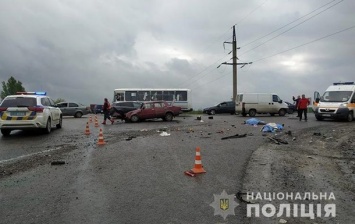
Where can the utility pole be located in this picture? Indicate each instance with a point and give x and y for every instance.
(234, 42)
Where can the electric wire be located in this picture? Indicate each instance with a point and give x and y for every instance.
(321, 38)
(291, 28)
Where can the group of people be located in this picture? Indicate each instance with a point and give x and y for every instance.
(301, 105)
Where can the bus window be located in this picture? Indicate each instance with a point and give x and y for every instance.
(143, 95)
(131, 96)
(181, 96)
(156, 95)
(119, 97)
(168, 95)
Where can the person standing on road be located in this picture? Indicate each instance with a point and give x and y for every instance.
(302, 107)
(296, 101)
(106, 109)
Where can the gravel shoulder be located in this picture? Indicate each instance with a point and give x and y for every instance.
(316, 160)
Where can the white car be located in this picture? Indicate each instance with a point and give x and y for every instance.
(29, 110)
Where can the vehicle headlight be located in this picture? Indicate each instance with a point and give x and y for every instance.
(343, 105)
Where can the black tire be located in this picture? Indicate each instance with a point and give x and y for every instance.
(212, 112)
(350, 116)
(168, 117)
(78, 114)
(134, 118)
(319, 118)
(252, 113)
(60, 124)
(5, 132)
(48, 127)
(282, 112)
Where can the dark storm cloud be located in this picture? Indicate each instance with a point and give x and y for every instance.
(82, 50)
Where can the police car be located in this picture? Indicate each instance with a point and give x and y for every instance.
(29, 110)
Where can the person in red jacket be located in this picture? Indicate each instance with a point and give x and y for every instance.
(302, 107)
(106, 109)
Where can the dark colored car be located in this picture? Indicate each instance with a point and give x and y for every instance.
(154, 109)
(98, 109)
(119, 109)
(291, 107)
(224, 107)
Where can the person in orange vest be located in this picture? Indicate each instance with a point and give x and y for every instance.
(106, 109)
(302, 107)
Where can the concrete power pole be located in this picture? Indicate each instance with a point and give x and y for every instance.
(234, 44)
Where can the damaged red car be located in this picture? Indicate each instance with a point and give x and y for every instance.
(154, 109)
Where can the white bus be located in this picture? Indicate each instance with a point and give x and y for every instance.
(180, 97)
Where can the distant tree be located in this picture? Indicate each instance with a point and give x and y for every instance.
(11, 87)
(59, 100)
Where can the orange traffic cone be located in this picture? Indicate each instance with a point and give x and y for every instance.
(87, 130)
(198, 164)
(96, 122)
(101, 138)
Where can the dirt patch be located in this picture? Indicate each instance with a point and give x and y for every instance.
(28, 162)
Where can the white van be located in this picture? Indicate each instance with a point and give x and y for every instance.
(260, 103)
(338, 102)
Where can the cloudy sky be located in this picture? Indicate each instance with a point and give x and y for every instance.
(81, 50)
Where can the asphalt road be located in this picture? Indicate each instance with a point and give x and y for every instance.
(140, 180)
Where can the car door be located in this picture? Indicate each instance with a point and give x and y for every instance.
(72, 108)
(160, 109)
(148, 111)
(64, 108)
(222, 107)
(54, 111)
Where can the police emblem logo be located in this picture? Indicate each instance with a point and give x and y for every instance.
(224, 204)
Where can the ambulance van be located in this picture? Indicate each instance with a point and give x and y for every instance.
(260, 103)
(337, 102)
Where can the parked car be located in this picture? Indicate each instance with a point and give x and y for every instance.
(291, 107)
(73, 109)
(98, 109)
(119, 109)
(29, 110)
(224, 107)
(153, 109)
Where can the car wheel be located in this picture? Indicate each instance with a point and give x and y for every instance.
(282, 112)
(78, 115)
(252, 113)
(60, 124)
(134, 118)
(168, 117)
(350, 116)
(48, 127)
(212, 112)
(319, 118)
(5, 132)
(290, 111)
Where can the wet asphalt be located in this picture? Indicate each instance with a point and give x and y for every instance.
(136, 177)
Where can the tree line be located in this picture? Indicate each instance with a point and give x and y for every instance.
(12, 86)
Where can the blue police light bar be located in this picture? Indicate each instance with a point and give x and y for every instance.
(41, 93)
(343, 83)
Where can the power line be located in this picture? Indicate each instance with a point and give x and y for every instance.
(251, 12)
(306, 43)
(286, 24)
(290, 28)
